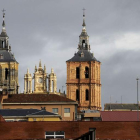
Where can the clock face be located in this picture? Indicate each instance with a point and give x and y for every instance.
(40, 80)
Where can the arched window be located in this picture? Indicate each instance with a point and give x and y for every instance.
(86, 72)
(77, 95)
(3, 44)
(77, 73)
(6, 73)
(87, 94)
(83, 43)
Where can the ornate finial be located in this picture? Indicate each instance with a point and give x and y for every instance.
(28, 71)
(52, 71)
(40, 64)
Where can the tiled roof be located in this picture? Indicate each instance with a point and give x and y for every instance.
(120, 106)
(7, 56)
(119, 115)
(87, 56)
(37, 98)
(23, 112)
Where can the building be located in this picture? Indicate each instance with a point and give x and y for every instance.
(8, 65)
(69, 130)
(43, 83)
(118, 116)
(11, 115)
(60, 105)
(83, 75)
(120, 107)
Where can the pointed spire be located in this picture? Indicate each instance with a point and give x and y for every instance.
(28, 71)
(40, 64)
(84, 24)
(35, 68)
(52, 71)
(44, 68)
(3, 23)
(3, 33)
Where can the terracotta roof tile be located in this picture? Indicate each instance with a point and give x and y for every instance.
(36, 98)
(119, 115)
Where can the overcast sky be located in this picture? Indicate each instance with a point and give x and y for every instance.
(49, 30)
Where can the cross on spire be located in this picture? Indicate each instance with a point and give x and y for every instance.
(3, 12)
(83, 11)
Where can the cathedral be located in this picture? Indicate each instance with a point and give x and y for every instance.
(42, 81)
(83, 75)
(8, 65)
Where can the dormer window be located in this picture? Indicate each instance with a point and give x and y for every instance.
(1, 56)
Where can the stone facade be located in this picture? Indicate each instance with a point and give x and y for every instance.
(43, 82)
(83, 75)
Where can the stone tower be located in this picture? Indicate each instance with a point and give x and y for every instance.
(8, 65)
(40, 77)
(27, 83)
(52, 82)
(83, 75)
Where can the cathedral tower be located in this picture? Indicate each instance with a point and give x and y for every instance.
(8, 64)
(27, 83)
(83, 75)
(40, 77)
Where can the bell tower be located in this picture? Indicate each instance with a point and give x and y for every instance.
(83, 75)
(8, 64)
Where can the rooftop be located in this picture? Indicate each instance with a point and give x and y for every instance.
(38, 98)
(115, 106)
(24, 112)
(119, 115)
(86, 56)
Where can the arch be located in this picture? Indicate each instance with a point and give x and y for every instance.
(77, 95)
(83, 43)
(86, 72)
(3, 44)
(87, 94)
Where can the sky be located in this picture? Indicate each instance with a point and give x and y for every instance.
(48, 30)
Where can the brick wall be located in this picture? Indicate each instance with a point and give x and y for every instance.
(104, 130)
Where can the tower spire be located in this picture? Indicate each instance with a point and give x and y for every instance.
(3, 23)
(84, 24)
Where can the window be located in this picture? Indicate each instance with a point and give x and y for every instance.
(86, 72)
(87, 94)
(77, 95)
(6, 74)
(54, 134)
(66, 110)
(77, 73)
(55, 110)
